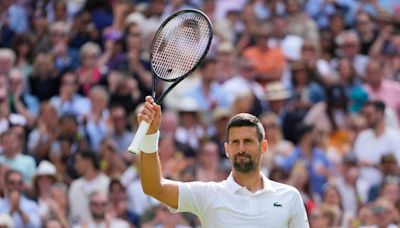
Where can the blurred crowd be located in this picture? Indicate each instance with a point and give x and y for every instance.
(322, 75)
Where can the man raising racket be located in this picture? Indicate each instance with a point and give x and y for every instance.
(245, 199)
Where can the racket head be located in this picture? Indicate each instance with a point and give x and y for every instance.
(181, 42)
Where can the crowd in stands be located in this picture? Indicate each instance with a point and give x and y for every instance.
(322, 75)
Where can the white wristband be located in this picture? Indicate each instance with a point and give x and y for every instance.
(150, 143)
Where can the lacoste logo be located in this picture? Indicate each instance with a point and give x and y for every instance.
(276, 204)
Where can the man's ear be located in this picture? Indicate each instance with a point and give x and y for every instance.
(226, 150)
(264, 146)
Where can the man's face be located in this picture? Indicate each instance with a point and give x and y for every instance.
(244, 149)
(9, 144)
(14, 182)
(98, 206)
(373, 73)
(371, 116)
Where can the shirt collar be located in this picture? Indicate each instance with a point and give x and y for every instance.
(235, 187)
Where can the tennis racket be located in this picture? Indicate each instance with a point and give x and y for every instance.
(179, 45)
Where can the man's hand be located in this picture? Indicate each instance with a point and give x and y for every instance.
(151, 113)
(14, 201)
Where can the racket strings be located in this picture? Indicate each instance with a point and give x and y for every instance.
(180, 45)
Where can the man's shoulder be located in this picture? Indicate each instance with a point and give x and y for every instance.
(284, 188)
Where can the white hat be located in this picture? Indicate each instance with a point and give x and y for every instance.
(46, 168)
(275, 91)
(187, 104)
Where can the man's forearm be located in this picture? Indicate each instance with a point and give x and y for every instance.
(150, 173)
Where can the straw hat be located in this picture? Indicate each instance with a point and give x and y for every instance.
(275, 91)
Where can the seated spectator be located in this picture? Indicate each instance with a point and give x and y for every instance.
(91, 180)
(89, 72)
(95, 121)
(118, 204)
(14, 158)
(99, 216)
(318, 166)
(44, 134)
(21, 102)
(390, 170)
(278, 147)
(208, 165)
(118, 128)
(24, 212)
(43, 80)
(68, 101)
(268, 62)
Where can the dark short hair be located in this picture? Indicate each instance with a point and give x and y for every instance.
(377, 104)
(90, 155)
(246, 120)
(302, 129)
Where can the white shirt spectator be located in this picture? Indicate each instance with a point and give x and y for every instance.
(79, 194)
(370, 148)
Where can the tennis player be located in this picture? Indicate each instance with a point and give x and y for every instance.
(245, 199)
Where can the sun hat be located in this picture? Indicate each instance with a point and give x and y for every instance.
(275, 91)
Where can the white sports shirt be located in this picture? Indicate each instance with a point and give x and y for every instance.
(227, 204)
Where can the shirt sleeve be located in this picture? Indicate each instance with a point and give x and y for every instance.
(194, 197)
(299, 217)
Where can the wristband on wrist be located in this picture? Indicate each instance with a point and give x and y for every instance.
(150, 143)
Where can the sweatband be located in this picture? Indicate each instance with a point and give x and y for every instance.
(150, 143)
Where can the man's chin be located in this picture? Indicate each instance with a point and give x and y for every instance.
(244, 167)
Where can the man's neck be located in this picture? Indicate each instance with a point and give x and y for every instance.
(380, 129)
(252, 181)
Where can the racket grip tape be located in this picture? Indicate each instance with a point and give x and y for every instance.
(137, 140)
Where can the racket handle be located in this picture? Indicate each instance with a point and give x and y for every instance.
(137, 140)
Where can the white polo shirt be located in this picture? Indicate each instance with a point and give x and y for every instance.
(227, 204)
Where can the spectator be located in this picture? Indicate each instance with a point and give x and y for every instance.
(245, 80)
(300, 179)
(91, 180)
(23, 47)
(208, 168)
(299, 23)
(349, 46)
(24, 212)
(278, 148)
(14, 158)
(43, 80)
(380, 88)
(318, 166)
(21, 102)
(268, 62)
(366, 31)
(89, 72)
(99, 216)
(111, 163)
(95, 120)
(44, 178)
(119, 132)
(45, 133)
(371, 144)
(68, 101)
(208, 94)
(7, 60)
(118, 204)
(390, 172)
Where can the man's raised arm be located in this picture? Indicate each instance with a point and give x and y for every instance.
(153, 183)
